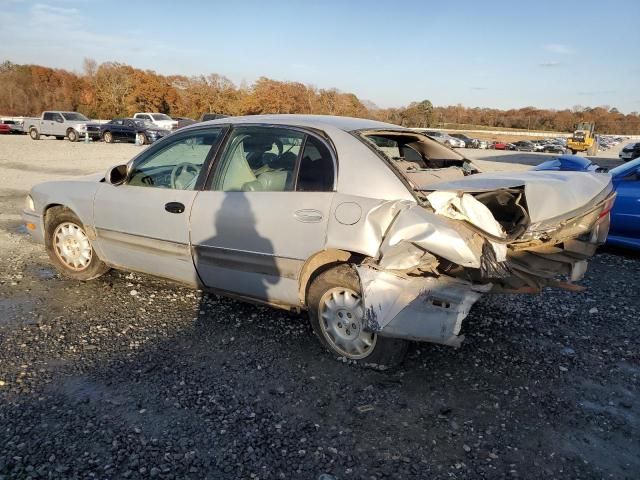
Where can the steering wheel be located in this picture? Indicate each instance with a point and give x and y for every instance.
(179, 169)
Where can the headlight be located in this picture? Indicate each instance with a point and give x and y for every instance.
(81, 127)
(28, 203)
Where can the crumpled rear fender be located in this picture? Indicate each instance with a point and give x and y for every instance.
(380, 229)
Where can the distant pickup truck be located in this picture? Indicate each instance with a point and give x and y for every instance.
(72, 125)
(158, 119)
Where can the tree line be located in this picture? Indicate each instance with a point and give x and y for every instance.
(114, 89)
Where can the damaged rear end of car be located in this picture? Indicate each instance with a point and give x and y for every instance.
(470, 233)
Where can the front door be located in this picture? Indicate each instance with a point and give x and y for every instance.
(625, 216)
(143, 225)
(264, 213)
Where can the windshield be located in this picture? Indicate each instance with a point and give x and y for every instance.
(144, 124)
(74, 116)
(160, 116)
(625, 169)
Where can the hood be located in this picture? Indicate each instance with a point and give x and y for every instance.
(93, 177)
(548, 194)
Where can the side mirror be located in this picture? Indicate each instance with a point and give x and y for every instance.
(116, 175)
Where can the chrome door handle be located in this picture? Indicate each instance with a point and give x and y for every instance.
(308, 215)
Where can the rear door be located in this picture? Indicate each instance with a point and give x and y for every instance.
(264, 212)
(143, 225)
(47, 124)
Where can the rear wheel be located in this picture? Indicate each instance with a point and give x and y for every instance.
(69, 246)
(336, 312)
(72, 135)
(141, 139)
(34, 134)
(108, 137)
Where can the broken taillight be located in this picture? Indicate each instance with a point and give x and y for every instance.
(608, 205)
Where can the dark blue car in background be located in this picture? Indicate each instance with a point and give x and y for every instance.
(625, 215)
(131, 130)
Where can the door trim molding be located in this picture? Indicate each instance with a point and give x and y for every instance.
(248, 261)
(144, 243)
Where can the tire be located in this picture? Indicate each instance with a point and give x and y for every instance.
(107, 137)
(72, 135)
(34, 134)
(142, 138)
(341, 286)
(67, 243)
(448, 144)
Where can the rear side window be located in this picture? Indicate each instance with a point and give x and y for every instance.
(259, 159)
(316, 172)
(48, 116)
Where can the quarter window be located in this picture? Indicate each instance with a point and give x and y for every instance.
(316, 167)
(177, 165)
(259, 159)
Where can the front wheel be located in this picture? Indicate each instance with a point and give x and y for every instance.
(108, 137)
(72, 135)
(70, 248)
(336, 312)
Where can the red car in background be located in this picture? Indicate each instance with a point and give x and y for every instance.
(497, 145)
(4, 128)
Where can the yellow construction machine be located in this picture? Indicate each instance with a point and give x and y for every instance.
(583, 139)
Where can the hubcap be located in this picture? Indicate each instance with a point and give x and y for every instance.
(341, 321)
(72, 246)
(107, 137)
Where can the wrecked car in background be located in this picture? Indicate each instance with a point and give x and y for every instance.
(383, 234)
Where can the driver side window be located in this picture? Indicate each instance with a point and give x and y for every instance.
(177, 165)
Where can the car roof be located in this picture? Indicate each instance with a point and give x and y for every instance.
(347, 124)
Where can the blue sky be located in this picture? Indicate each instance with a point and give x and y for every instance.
(478, 53)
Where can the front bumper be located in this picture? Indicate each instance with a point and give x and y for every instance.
(33, 223)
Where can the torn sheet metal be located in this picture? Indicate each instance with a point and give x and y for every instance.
(437, 234)
(463, 206)
(548, 194)
(417, 308)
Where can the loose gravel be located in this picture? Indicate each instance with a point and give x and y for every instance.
(133, 377)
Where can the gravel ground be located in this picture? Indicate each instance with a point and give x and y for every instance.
(132, 377)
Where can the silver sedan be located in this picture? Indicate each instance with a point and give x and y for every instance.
(382, 234)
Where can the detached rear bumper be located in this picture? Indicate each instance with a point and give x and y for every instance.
(421, 308)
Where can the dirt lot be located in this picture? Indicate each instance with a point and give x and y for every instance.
(133, 377)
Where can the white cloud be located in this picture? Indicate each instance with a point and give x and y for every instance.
(550, 64)
(62, 36)
(559, 48)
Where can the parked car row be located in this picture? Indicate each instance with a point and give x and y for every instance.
(142, 128)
